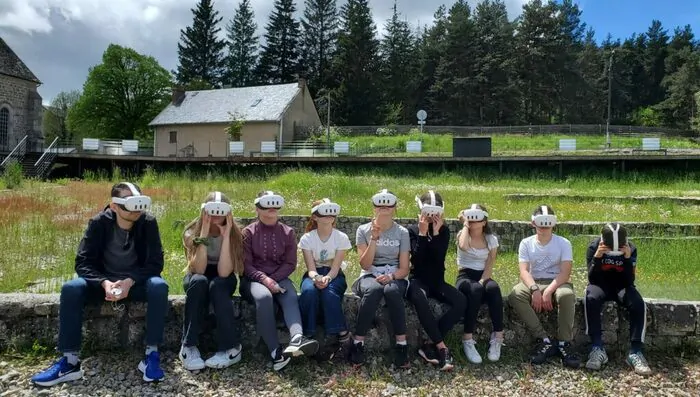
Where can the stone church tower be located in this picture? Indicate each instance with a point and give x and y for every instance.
(20, 103)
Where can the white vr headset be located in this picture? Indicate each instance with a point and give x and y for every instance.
(270, 200)
(384, 199)
(432, 208)
(615, 249)
(134, 203)
(544, 219)
(217, 207)
(326, 208)
(474, 214)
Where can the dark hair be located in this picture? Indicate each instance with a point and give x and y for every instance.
(487, 227)
(119, 188)
(538, 210)
(607, 234)
(425, 198)
(263, 192)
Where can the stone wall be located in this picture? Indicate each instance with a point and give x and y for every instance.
(26, 318)
(510, 232)
(25, 108)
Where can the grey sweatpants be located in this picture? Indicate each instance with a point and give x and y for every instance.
(264, 300)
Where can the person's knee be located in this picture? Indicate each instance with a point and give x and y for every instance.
(392, 291)
(416, 293)
(373, 291)
(518, 295)
(492, 288)
(459, 302)
(594, 294)
(74, 288)
(636, 302)
(221, 285)
(566, 297)
(308, 287)
(157, 286)
(263, 299)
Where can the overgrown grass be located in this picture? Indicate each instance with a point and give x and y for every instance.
(42, 223)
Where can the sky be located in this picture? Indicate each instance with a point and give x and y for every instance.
(59, 40)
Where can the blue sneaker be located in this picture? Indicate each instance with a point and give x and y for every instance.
(59, 372)
(150, 366)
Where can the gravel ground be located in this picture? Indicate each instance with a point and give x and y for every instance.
(115, 374)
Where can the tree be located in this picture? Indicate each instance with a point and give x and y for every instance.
(319, 36)
(678, 107)
(279, 60)
(121, 96)
(356, 67)
(655, 62)
(200, 52)
(242, 46)
(430, 50)
(55, 117)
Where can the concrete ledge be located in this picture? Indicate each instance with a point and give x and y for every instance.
(28, 318)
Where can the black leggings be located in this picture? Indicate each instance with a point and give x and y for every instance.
(418, 294)
(477, 294)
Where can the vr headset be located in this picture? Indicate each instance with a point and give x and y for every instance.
(269, 200)
(615, 244)
(134, 203)
(384, 199)
(217, 207)
(475, 214)
(326, 208)
(432, 208)
(544, 219)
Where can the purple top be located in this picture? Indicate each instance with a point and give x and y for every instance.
(270, 251)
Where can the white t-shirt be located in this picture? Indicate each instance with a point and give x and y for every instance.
(545, 260)
(475, 258)
(324, 251)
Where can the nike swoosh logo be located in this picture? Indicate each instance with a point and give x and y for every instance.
(61, 373)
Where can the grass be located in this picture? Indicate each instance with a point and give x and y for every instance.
(42, 223)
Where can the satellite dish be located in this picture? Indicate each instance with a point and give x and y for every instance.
(422, 115)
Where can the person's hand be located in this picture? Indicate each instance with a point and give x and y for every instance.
(125, 286)
(272, 285)
(547, 300)
(602, 249)
(376, 230)
(108, 286)
(438, 221)
(627, 251)
(225, 229)
(323, 282)
(384, 279)
(482, 281)
(206, 224)
(536, 301)
(423, 225)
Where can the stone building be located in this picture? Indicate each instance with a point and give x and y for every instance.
(20, 103)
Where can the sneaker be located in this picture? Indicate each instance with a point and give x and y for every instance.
(357, 353)
(429, 353)
(543, 351)
(445, 360)
(150, 367)
(597, 358)
(401, 356)
(224, 359)
(280, 361)
(59, 372)
(494, 353)
(639, 363)
(568, 357)
(341, 352)
(301, 345)
(191, 359)
(470, 351)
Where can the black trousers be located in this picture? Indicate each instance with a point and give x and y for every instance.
(477, 294)
(418, 294)
(628, 298)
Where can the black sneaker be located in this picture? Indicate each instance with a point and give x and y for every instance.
(543, 351)
(568, 357)
(428, 352)
(280, 361)
(342, 352)
(401, 356)
(357, 353)
(301, 345)
(445, 360)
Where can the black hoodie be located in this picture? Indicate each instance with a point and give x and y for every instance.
(610, 271)
(89, 263)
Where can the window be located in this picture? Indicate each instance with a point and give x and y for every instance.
(4, 127)
(173, 136)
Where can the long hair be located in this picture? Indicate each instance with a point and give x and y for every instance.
(487, 228)
(194, 228)
(312, 224)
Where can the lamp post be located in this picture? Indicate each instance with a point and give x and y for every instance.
(607, 125)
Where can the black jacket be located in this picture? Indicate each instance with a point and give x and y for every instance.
(428, 255)
(89, 263)
(610, 272)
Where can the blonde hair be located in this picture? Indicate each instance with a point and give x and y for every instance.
(312, 224)
(194, 228)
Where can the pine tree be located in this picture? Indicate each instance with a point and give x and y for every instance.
(200, 52)
(319, 35)
(242, 46)
(430, 49)
(279, 60)
(655, 62)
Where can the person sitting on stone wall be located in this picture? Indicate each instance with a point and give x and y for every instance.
(612, 260)
(214, 250)
(120, 258)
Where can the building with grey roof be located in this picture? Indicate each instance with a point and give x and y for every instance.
(194, 123)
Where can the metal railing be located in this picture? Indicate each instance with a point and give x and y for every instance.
(42, 166)
(17, 153)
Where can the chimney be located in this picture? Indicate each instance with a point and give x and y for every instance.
(178, 95)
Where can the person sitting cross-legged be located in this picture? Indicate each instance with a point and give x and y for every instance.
(120, 258)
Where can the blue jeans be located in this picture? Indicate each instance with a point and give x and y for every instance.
(331, 300)
(77, 293)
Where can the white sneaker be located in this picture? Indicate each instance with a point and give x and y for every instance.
(191, 359)
(224, 359)
(495, 349)
(471, 352)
